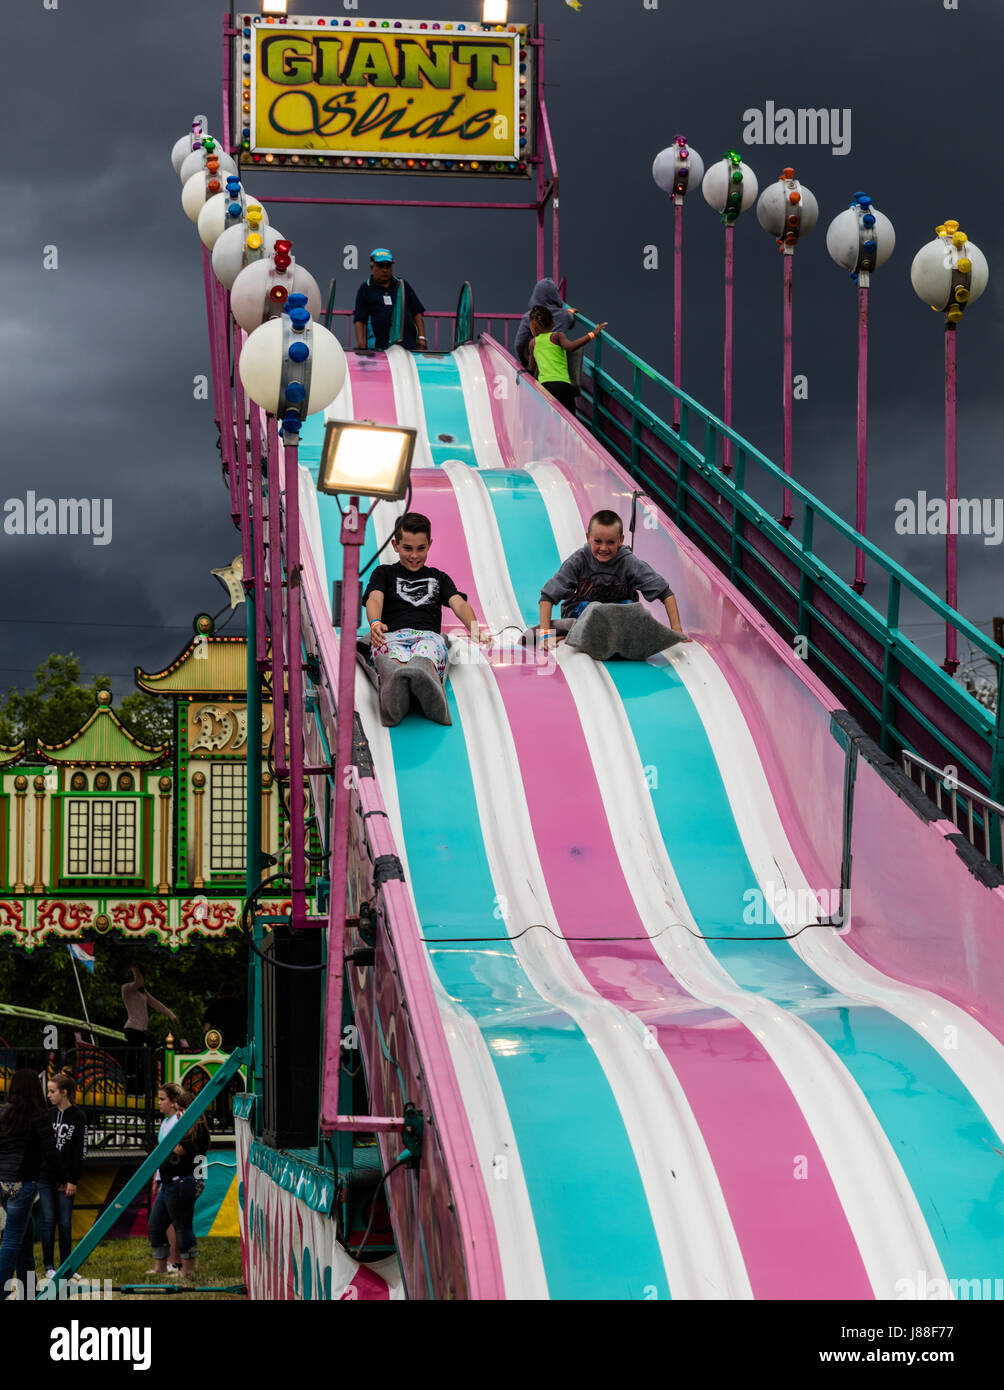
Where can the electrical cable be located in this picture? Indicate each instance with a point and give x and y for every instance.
(405, 1157)
(248, 929)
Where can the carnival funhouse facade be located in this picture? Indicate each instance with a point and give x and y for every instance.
(103, 833)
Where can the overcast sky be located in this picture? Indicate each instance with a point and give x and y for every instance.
(99, 354)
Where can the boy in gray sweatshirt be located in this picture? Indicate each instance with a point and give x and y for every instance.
(605, 570)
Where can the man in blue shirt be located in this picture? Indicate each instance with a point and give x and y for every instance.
(375, 307)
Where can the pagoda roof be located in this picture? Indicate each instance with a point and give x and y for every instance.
(209, 666)
(14, 754)
(104, 739)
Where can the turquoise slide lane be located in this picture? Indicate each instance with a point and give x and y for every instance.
(445, 410)
(595, 1230)
(593, 1223)
(940, 1135)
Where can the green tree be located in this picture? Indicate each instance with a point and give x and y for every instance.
(58, 704)
(150, 718)
(54, 708)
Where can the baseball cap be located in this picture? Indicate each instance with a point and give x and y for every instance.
(381, 254)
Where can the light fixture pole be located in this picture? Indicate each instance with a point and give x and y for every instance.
(677, 170)
(860, 239)
(361, 459)
(730, 187)
(788, 210)
(949, 273)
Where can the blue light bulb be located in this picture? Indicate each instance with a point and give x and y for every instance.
(297, 301)
(298, 352)
(296, 392)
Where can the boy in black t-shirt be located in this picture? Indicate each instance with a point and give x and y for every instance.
(404, 601)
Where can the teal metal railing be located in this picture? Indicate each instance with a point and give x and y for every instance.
(905, 700)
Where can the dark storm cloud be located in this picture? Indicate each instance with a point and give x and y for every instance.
(99, 356)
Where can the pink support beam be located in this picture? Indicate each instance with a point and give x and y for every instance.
(294, 666)
(677, 304)
(861, 517)
(221, 314)
(228, 34)
(353, 534)
(399, 203)
(243, 479)
(727, 408)
(789, 264)
(260, 582)
(951, 662)
(275, 603)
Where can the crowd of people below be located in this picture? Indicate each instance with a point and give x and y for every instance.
(42, 1152)
(43, 1146)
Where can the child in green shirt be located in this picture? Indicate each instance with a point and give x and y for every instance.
(549, 355)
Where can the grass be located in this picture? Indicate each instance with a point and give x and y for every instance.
(126, 1262)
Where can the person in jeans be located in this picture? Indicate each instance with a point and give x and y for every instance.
(26, 1142)
(69, 1126)
(180, 1183)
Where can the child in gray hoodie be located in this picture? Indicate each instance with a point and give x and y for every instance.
(604, 570)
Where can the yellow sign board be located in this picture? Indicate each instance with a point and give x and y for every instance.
(387, 95)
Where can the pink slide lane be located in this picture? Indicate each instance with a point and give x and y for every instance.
(372, 388)
(794, 1236)
(432, 493)
(919, 915)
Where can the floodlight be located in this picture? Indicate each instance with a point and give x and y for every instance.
(366, 460)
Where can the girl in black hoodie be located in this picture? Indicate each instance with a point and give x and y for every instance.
(26, 1142)
(69, 1125)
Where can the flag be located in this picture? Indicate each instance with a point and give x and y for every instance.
(83, 953)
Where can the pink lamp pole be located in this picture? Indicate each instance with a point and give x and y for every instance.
(788, 210)
(676, 170)
(294, 668)
(861, 499)
(951, 662)
(949, 273)
(730, 187)
(352, 536)
(860, 239)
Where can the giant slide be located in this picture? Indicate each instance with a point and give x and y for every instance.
(660, 1073)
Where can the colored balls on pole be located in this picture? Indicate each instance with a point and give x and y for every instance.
(860, 238)
(678, 169)
(199, 159)
(184, 146)
(251, 298)
(730, 187)
(944, 266)
(262, 365)
(241, 245)
(787, 209)
(212, 217)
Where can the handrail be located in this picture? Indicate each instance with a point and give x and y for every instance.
(724, 484)
(954, 786)
(694, 444)
(481, 323)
